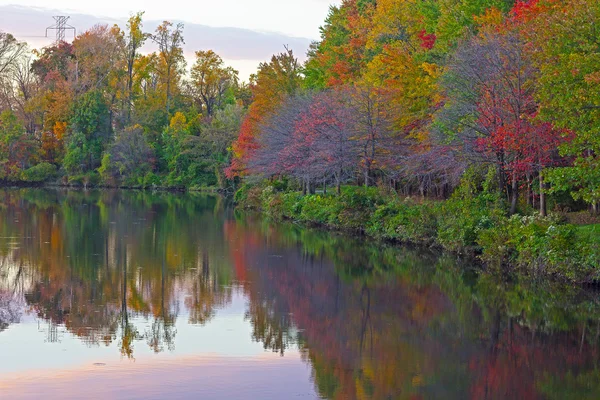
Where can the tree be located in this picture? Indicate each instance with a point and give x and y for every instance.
(211, 80)
(17, 149)
(373, 127)
(490, 85)
(91, 125)
(565, 44)
(274, 82)
(135, 39)
(281, 148)
(98, 53)
(10, 51)
(328, 124)
(130, 156)
(172, 62)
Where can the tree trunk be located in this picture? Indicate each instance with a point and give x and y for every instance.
(543, 207)
(514, 194)
(529, 191)
(311, 187)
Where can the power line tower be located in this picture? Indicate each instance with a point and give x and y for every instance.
(61, 27)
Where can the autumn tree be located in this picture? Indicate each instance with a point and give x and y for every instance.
(211, 80)
(274, 82)
(281, 148)
(169, 39)
(491, 89)
(17, 148)
(327, 123)
(134, 40)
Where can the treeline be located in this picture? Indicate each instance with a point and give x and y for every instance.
(409, 94)
(100, 112)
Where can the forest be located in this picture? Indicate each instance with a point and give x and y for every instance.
(490, 105)
(99, 112)
(409, 94)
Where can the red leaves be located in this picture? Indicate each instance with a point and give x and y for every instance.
(525, 10)
(427, 40)
(527, 145)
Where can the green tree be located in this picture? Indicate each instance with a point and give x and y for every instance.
(566, 39)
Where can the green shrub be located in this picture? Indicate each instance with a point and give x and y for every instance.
(540, 244)
(473, 207)
(357, 204)
(249, 196)
(151, 179)
(39, 173)
(404, 221)
(319, 209)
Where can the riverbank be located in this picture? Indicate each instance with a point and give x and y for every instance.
(79, 185)
(472, 222)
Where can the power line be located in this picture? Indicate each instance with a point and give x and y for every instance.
(61, 27)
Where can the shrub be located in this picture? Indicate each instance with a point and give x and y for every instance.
(404, 221)
(540, 244)
(39, 173)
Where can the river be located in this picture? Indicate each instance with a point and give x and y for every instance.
(127, 294)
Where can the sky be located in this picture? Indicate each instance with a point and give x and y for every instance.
(291, 17)
(243, 32)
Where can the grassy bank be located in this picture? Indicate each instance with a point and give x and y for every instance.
(473, 221)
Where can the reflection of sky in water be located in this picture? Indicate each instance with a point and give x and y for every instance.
(219, 358)
(228, 334)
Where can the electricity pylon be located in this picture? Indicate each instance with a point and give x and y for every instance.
(61, 27)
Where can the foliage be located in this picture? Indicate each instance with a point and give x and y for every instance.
(41, 172)
(69, 104)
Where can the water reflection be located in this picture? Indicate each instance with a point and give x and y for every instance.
(125, 270)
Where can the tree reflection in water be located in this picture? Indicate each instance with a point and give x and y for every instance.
(372, 320)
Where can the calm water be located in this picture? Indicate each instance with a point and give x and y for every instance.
(139, 295)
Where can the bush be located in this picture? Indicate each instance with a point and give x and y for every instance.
(249, 196)
(405, 221)
(39, 173)
(540, 244)
(472, 208)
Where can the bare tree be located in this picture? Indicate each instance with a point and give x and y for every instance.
(10, 51)
(490, 84)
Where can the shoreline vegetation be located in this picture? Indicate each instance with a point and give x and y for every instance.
(473, 222)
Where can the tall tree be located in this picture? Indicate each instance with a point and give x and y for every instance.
(170, 41)
(211, 80)
(135, 39)
(565, 39)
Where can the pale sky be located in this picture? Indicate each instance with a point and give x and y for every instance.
(291, 17)
(243, 32)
